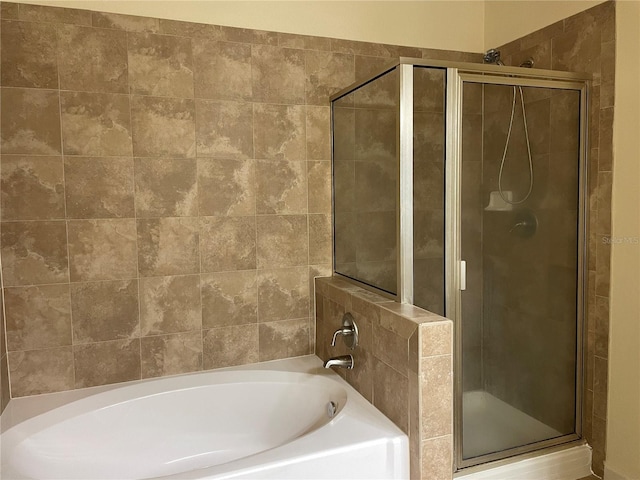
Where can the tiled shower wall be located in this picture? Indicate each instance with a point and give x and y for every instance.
(586, 43)
(165, 192)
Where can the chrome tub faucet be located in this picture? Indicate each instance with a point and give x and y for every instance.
(343, 361)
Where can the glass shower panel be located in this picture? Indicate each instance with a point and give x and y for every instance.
(519, 192)
(365, 164)
(429, 92)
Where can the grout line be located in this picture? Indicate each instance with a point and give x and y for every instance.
(135, 209)
(255, 209)
(309, 288)
(198, 161)
(4, 315)
(66, 220)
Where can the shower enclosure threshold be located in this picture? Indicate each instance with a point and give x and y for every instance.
(569, 463)
(491, 425)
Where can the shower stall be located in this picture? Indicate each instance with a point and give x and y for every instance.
(460, 188)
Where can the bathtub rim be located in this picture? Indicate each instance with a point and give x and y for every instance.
(21, 409)
(362, 422)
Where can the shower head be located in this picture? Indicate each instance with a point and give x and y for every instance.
(493, 56)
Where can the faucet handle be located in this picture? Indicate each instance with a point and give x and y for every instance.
(341, 331)
(349, 332)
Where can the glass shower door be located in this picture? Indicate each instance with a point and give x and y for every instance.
(520, 227)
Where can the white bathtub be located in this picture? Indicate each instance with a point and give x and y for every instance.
(265, 421)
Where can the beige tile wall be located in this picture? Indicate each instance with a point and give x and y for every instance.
(403, 365)
(165, 191)
(586, 43)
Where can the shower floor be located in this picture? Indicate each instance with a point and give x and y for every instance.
(491, 425)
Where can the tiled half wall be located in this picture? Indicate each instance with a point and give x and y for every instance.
(403, 365)
(165, 192)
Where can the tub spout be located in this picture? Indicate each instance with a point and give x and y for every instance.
(343, 361)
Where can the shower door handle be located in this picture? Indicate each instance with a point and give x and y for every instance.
(463, 275)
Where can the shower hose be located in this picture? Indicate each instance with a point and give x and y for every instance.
(506, 148)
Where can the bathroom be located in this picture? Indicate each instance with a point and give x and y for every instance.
(146, 232)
